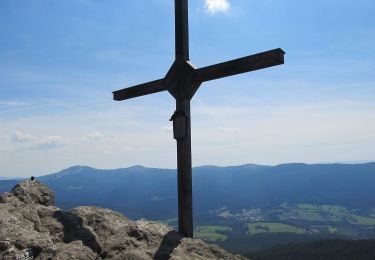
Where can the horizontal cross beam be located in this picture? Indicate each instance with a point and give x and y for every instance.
(225, 69)
(249, 63)
(139, 90)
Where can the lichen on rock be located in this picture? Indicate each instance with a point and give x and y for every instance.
(32, 228)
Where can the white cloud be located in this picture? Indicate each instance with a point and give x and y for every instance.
(87, 139)
(49, 142)
(225, 134)
(214, 6)
(128, 148)
(167, 129)
(22, 137)
(95, 136)
(38, 142)
(11, 103)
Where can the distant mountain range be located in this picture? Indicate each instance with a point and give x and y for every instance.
(10, 178)
(151, 193)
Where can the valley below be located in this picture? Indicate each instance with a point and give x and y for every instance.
(262, 228)
(244, 209)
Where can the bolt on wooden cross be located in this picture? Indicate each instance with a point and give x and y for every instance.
(182, 81)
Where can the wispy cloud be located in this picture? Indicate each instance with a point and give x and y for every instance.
(27, 141)
(128, 148)
(22, 137)
(95, 136)
(167, 129)
(11, 103)
(49, 142)
(34, 142)
(215, 6)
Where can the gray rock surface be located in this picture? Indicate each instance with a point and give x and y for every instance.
(34, 192)
(32, 228)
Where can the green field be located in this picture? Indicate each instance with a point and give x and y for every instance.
(325, 229)
(363, 220)
(264, 227)
(212, 233)
(332, 208)
(332, 230)
(170, 222)
(225, 214)
(309, 215)
(307, 206)
(332, 213)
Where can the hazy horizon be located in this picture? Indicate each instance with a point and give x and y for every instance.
(197, 166)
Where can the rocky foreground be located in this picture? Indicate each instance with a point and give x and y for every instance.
(31, 227)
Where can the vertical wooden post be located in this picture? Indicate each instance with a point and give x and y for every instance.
(181, 29)
(184, 171)
(184, 174)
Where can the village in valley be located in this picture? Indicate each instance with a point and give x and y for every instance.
(287, 220)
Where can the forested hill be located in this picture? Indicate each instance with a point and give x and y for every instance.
(322, 249)
(151, 193)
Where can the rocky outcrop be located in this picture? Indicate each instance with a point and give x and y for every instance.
(33, 192)
(32, 228)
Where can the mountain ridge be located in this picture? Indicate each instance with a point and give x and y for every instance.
(78, 168)
(241, 186)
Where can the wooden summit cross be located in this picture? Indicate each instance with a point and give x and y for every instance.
(182, 81)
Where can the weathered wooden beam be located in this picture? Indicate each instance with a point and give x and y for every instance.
(139, 90)
(241, 65)
(184, 174)
(181, 29)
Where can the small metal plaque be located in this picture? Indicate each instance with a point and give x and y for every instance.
(179, 127)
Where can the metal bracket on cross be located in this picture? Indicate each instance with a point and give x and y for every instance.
(180, 125)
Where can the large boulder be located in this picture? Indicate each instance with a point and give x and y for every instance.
(32, 228)
(74, 250)
(19, 235)
(34, 192)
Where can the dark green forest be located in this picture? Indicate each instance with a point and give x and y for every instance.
(321, 250)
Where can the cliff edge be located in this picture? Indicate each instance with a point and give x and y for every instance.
(32, 228)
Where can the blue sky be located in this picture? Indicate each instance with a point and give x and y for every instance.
(60, 61)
